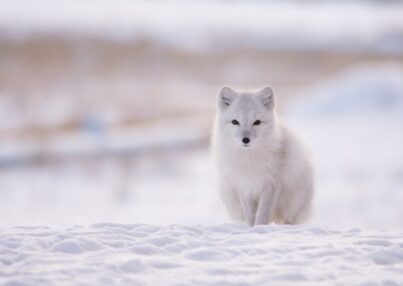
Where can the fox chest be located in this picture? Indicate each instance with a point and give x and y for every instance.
(250, 175)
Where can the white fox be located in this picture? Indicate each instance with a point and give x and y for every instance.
(265, 174)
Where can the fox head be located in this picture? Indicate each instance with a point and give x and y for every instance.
(246, 119)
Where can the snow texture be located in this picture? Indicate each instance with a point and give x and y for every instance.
(226, 254)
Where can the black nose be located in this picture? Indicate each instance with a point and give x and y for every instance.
(245, 140)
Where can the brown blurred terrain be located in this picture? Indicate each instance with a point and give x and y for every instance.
(120, 82)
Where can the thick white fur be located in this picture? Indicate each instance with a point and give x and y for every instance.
(270, 179)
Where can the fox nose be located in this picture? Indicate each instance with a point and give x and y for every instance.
(245, 140)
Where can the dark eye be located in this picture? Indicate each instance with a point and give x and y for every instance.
(235, 122)
(257, 122)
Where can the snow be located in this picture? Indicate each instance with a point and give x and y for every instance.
(358, 180)
(360, 92)
(199, 25)
(352, 125)
(172, 229)
(224, 254)
(163, 221)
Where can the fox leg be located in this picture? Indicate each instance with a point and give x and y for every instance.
(248, 209)
(265, 206)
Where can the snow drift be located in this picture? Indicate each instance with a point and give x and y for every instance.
(228, 254)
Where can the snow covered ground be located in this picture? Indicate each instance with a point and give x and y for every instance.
(226, 254)
(353, 126)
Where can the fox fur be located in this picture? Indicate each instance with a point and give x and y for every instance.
(265, 174)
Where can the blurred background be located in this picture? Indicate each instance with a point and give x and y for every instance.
(106, 107)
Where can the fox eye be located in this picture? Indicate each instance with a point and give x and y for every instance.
(235, 122)
(257, 122)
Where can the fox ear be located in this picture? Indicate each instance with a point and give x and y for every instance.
(226, 97)
(267, 97)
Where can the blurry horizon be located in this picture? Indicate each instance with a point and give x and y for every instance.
(106, 107)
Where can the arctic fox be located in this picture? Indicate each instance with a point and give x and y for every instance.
(265, 174)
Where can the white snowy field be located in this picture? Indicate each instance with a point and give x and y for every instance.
(225, 254)
(353, 127)
(117, 185)
(351, 124)
(164, 223)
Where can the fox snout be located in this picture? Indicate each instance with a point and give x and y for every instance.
(246, 137)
